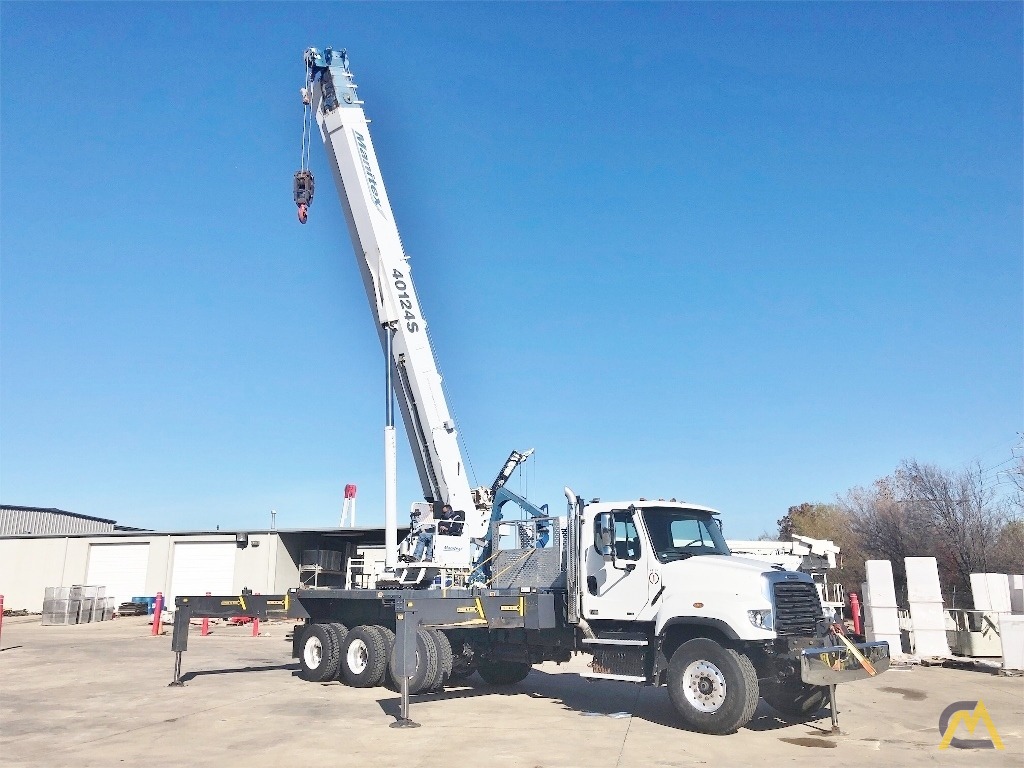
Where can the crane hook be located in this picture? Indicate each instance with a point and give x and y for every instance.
(303, 193)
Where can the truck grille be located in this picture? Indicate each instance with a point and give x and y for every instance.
(797, 608)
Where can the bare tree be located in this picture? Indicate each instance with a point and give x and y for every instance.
(962, 508)
(1016, 476)
(887, 527)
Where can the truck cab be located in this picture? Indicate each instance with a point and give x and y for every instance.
(663, 601)
(669, 564)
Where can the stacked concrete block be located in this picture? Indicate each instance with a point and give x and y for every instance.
(991, 592)
(928, 619)
(881, 616)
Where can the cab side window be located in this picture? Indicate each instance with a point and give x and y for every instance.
(627, 538)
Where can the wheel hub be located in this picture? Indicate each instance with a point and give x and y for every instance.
(313, 653)
(704, 686)
(357, 657)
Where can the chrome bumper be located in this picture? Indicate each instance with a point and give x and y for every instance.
(836, 664)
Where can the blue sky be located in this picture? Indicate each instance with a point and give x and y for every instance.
(748, 255)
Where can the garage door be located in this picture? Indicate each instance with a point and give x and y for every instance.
(121, 568)
(201, 567)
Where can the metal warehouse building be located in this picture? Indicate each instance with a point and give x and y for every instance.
(135, 563)
(26, 520)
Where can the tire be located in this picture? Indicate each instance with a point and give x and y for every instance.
(318, 654)
(364, 657)
(444, 659)
(389, 644)
(425, 673)
(340, 632)
(714, 689)
(794, 699)
(503, 672)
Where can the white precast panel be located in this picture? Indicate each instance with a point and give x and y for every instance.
(991, 592)
(1016, 593)
(881, 590)
(201, 567)
(1011, 633)
(928, 619)
(121, 568)
(923, 580)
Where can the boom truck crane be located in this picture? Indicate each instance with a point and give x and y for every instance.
(648, 589)
(411, 370)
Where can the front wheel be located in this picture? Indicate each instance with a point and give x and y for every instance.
(794, 698)
(714, 689)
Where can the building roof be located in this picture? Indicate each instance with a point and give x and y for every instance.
(56, 511)
(361, 533)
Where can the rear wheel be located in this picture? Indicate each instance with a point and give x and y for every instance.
(340, 631)
(503, 672)
(364, 657)
(318, 657)
(444, 659)
(424, 673)
(389, 645)
(713, 688)
(794, 698)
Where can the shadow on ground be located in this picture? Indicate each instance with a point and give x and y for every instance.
(603, 697)
(271, 668)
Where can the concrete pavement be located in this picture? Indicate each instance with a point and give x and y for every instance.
(97, 695)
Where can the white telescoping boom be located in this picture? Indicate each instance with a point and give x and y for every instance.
(330, 93)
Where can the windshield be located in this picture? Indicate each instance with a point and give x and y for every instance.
(680, 533)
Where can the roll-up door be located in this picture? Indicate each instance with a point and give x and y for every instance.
(121, 568)
(201, 567)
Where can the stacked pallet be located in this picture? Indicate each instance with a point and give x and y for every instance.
(78, 604)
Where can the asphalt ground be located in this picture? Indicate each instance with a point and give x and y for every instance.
(97, 695)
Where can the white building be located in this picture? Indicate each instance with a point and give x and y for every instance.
(134, 563)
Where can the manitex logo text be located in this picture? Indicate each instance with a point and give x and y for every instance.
(968, 714)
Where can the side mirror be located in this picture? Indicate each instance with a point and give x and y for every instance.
(606, 535)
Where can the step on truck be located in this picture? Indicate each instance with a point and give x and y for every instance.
(647, 589)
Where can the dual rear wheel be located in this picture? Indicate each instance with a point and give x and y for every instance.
(364, 657)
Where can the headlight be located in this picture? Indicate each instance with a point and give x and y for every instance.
(761, 618)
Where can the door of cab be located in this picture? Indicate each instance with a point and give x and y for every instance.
(618, 588)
